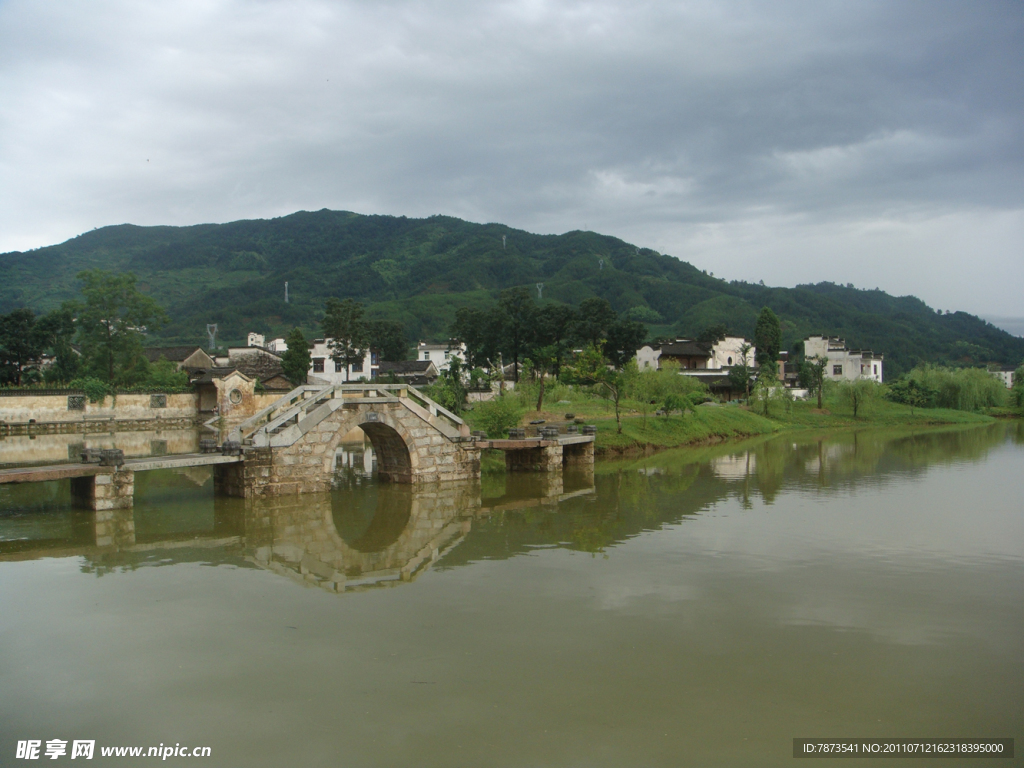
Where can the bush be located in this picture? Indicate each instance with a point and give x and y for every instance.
(857, 393)
(496, 417)
(962, 389)
(94, 389)
(165, 374)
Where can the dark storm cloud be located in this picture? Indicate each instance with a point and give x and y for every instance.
(878, 143)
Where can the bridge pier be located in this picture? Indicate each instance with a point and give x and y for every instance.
(540, 459)
(106, 490)
(578, 454)
(111, 496)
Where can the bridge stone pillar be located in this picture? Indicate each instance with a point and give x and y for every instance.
(107, 490)
(540, 459)
(111, 496)
(247, 478)
(578, 454)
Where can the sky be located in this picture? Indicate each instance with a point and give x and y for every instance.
(873, 143)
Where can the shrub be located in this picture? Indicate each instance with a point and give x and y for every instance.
(496, 417)
(962, 389)
(94, 389)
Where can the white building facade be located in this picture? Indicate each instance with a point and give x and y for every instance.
(277, 346)
(724, 353)
(1005, 375)
(844, 364)
(440, 354)
(323, 369)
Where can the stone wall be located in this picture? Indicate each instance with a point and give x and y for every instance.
(22, 408)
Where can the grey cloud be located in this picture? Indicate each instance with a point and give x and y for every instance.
(718, 132)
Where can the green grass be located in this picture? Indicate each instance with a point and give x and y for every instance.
(708, 424)
(876, 412)
(712, 424)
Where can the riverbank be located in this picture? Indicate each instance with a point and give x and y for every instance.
(712, 424)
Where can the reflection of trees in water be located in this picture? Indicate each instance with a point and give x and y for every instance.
(645, 494)
(840, 460)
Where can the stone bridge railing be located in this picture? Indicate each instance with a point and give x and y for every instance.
(285, 421)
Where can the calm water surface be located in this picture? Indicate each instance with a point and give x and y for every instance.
(690, 608)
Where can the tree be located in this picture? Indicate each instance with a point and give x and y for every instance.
(554, 328)
(593, 319)
(592, 367)
(348, 338)
(56, 331)
(767, 337)
(713, 334)
(296, 360)
(449, 390)
(112, 321)
(1018, 386)
(543, 361)
(858, 392)
(164, 374)
(518, 313)
(388, 338)
(910, 391)
(477, 330)
(739, 374)
(812, 375)
(624, 339)
(20, 343)
(645, 387)
(768, 390)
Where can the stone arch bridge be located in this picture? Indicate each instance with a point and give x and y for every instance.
(289, 447)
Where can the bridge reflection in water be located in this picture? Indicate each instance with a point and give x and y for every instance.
(363, 534)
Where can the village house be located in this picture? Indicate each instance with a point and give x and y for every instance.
(323, 369)
(844, 364)
(440, 354)
(277, 346)
(1004, 374)
(415, 372)
(696, 355)
(190, 357)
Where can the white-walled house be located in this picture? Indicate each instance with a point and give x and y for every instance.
(696, 355)
(1005, 375)
(277, 346)
(323, 368)
(844, 364)
(440, 354)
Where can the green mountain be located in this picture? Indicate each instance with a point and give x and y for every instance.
(419, 271)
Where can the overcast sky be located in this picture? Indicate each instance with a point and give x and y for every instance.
(872, 143)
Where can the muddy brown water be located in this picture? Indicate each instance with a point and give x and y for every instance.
(686, 608)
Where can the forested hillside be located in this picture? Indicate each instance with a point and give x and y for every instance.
(420, 271)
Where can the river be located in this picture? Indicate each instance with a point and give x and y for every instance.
(698, 607)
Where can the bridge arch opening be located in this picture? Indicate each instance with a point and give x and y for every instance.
(394, 465)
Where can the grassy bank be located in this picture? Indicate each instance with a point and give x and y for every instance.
(711, 423)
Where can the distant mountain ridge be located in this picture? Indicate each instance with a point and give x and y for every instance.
(420, 271)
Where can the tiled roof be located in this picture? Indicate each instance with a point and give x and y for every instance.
(406, 366)
(174, 354)
(686, 348)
